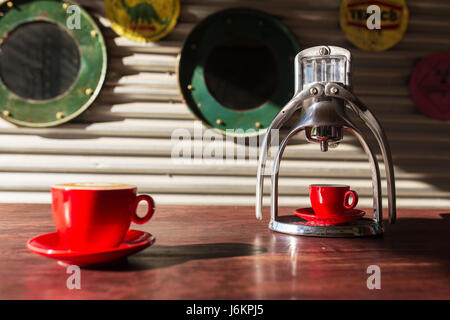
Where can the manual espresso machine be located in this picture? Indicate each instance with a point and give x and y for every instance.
(321, 106)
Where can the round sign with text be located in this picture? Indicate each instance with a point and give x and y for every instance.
(430, 86)
(374, 25)
(143, 20)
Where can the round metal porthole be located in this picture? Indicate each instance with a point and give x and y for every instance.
(52, 62)
(236, 70)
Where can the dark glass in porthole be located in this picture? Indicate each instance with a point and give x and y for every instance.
(241, 73)
(39, 61)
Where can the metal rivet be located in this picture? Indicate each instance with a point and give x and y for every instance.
(313, 91)
(65, 6)
(199, 105)
(6, 113)
(219, 121)
(190, 87)
(334, 90)
(88, 91)
(93, 33)
(258, 124)
(59, 115)
(324, 51)
(9, 4)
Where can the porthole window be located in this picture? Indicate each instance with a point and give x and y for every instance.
(47, 68)
(49, 73)
(236, 70)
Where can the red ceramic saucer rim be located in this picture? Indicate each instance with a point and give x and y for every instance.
(309, 212)
(145, 239)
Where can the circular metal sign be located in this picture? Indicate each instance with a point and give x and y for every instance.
(52, 62)
(143, 20)
(430, 86)
(376, 29)
(236, 70)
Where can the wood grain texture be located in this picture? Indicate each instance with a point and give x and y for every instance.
(225, 253)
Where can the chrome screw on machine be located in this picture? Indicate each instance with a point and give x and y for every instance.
(320, 107)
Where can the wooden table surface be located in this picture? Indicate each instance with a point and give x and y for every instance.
(225, 253)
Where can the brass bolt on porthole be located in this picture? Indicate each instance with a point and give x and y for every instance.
(258, 124)
(190, 87)
(219, 122)
(10, 4)
(88, 91)
(93, 33)
(65, 6)
(6, 113)
(59, 115)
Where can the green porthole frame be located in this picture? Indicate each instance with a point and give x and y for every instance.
(209, 33)
(91, 75)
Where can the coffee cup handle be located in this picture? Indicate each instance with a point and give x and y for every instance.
(150, 210)
(347, 196)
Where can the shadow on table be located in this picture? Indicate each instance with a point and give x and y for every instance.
(157, 257)
(419, 237)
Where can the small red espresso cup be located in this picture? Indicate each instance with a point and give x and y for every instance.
(331, 200)
(96, 216)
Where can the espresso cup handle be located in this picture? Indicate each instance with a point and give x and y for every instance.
(150, 210)
(347, 196)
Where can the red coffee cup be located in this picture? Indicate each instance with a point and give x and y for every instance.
(93, 216)
(331, 200)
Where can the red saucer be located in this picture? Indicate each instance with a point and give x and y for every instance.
(49, 245)
(308, 214)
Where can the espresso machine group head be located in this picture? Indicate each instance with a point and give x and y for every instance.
(320, 106)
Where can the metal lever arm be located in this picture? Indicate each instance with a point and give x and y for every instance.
(335, 90)
(288, 110)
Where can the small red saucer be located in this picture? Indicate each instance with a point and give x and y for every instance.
(308, 214)
(49, 246)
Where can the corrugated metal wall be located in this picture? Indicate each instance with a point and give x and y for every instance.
(125, 135)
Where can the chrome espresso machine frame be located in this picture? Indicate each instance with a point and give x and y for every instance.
(319, 107)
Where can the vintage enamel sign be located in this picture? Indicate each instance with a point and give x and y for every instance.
(430, 86)
(376, 29)
(143, 20)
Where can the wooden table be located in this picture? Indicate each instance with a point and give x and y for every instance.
(225, 253)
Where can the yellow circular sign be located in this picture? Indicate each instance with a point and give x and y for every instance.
(374, 25)
(143, 20)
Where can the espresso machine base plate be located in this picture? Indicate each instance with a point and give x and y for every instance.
(296, 226)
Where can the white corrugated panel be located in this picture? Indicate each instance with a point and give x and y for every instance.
(126, 135)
